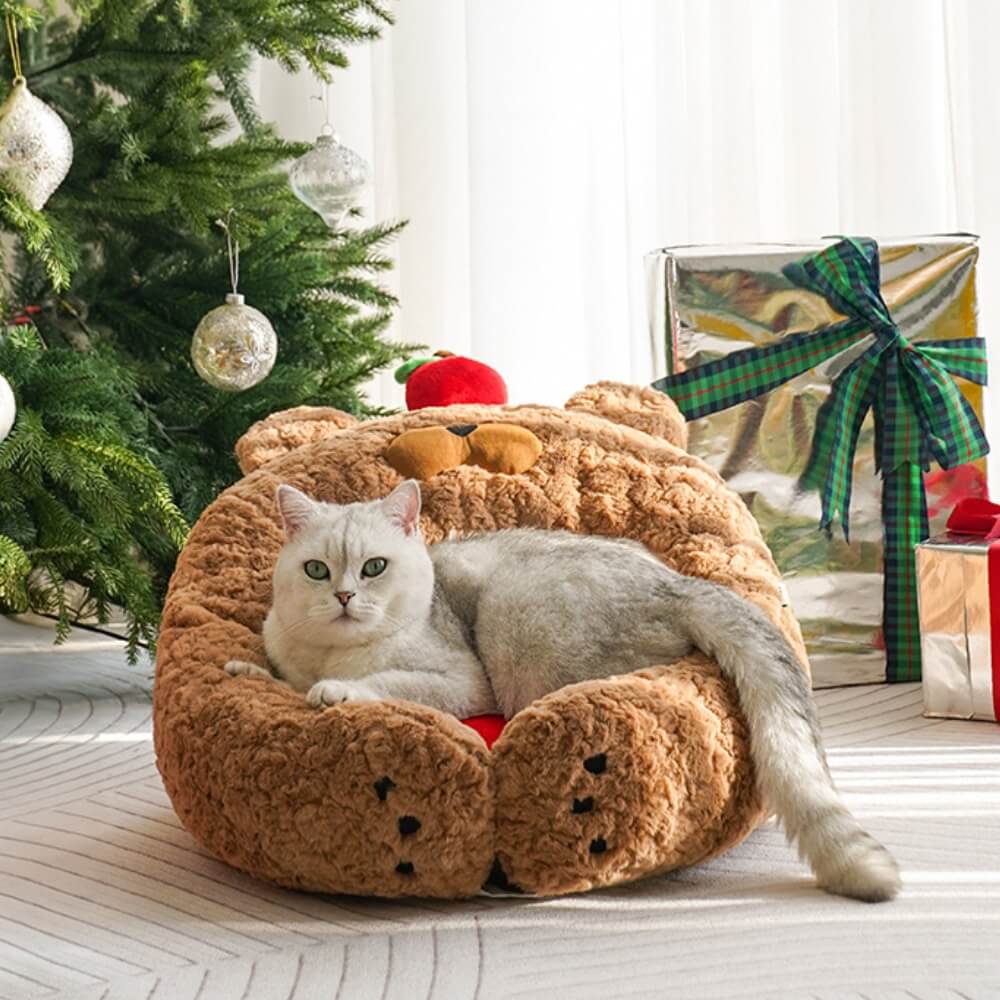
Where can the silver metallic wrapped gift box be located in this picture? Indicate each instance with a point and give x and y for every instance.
(707, 302)
(953, 589)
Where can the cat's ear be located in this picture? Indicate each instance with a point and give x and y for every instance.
(296, 508)
(402, 506)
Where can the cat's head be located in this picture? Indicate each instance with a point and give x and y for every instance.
(350, 574)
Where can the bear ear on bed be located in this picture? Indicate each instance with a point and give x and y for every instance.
(647, 410)
(287, 430)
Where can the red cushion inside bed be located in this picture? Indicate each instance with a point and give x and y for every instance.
(488, 726)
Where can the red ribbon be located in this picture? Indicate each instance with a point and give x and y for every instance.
(975, 516)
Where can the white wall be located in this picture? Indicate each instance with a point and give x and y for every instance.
(540, 147)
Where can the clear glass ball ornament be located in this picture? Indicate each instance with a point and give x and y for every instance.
(329, 177)
(234, 346)
(36, 148)
(8, 408)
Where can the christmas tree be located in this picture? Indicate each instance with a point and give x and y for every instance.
(118, 443)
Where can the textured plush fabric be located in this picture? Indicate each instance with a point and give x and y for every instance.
(595, 784)
(289, 429)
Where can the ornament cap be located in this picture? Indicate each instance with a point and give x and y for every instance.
(235, 299)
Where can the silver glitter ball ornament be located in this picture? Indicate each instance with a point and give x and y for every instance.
(329, 178)
(234, 346)
(8, 408)
(36, 149)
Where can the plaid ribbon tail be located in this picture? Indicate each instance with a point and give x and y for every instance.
(830, 466)
(949, 427)
(904, 524)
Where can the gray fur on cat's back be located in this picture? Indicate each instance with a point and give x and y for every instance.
(546, 608)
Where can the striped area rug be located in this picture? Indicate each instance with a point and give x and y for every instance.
(103, 895)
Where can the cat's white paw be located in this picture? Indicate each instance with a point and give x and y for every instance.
(332, 692)
(870, 874)
(240, 668)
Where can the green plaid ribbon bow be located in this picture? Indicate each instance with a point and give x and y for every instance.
(920, 414)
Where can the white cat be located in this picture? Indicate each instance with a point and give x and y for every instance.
(364, 610)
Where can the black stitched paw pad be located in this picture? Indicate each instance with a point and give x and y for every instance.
(597, 764)
(598, 845)
(583, 805)
(405, 868)
(408, 825)
(382, 787)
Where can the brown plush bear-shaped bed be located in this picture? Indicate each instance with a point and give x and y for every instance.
(597, 783)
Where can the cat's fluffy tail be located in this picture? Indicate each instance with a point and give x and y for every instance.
(786, 744)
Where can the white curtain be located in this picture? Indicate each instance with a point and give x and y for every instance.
(539, 148)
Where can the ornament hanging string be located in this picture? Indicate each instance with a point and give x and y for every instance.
(15, 49)
(234, 345)
(327, 126)
(232, 248)
(324, 96)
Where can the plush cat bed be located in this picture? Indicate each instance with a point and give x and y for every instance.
(595, 784)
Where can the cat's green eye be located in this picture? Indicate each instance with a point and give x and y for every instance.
(374, 567)
(316, 570)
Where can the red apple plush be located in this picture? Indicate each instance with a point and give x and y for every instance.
(447, 379)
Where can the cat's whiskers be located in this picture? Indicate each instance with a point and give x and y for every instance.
(393, 624)
(316, 614)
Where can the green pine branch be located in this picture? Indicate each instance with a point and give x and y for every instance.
(118, 443)
(77, 503)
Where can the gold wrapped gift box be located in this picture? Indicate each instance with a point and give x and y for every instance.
(710, 301)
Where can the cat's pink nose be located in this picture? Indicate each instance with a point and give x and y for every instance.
(343, 596)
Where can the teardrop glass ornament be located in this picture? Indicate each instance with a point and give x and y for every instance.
(329, 178)
(36, 148)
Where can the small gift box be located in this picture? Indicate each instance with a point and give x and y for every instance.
(834, 383)
(958, 589)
